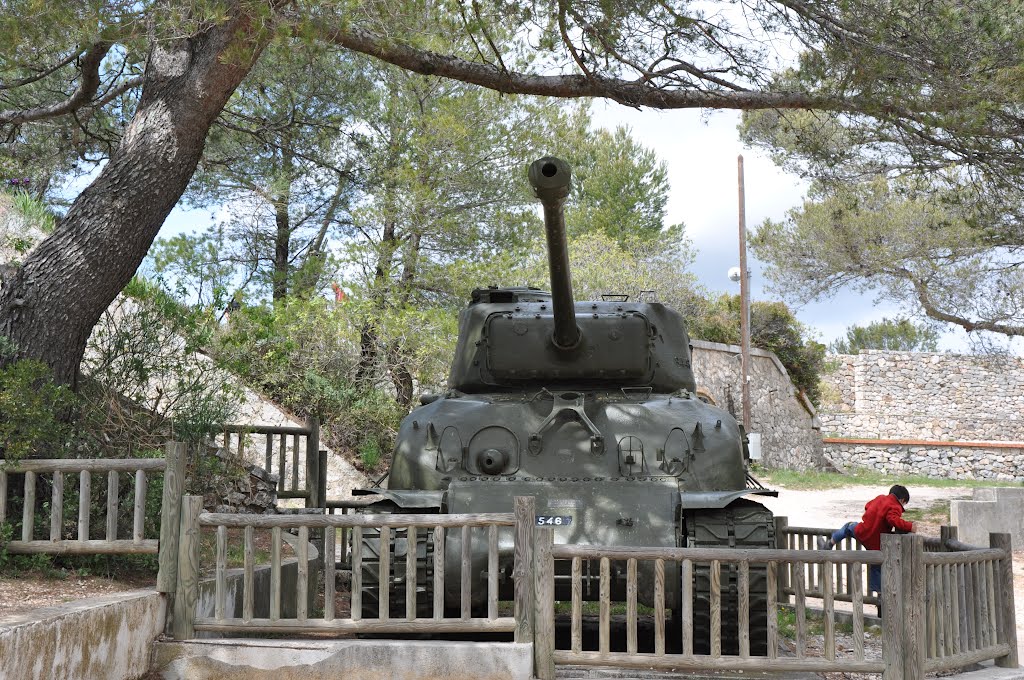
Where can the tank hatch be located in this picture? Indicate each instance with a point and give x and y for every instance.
(497, 295)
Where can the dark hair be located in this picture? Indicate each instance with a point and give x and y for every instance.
(900, 492)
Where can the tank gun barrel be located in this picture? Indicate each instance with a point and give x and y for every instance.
(550, 178)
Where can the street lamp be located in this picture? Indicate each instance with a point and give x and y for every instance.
(742, 274)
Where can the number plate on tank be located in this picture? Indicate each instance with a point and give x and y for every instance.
(554, 520)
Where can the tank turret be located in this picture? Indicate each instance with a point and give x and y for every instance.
(511, 338)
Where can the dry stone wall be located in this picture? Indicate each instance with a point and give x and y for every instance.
(790, 434)
(940, 415)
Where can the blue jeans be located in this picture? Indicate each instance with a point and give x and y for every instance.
(844, 532)
(874, 570)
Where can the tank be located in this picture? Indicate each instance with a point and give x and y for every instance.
(590, 407)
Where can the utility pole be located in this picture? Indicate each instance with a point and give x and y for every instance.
(744, 302)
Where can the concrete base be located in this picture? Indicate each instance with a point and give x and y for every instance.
(350, 659)
(993, 509)
(985, 671)
(100, 638)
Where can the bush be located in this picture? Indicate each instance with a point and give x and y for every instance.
(772, 327)
(33, 409)
(149, 371)
(303, 356)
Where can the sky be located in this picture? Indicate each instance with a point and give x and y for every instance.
(700, 151)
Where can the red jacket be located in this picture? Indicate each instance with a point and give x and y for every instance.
(881, 515)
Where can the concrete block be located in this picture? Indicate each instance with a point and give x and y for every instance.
(993, 509)
(206, 605)
(100, 638)
(350, 659)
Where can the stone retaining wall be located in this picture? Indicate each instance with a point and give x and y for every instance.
(951, 462)
(923, 407)
(786, 421)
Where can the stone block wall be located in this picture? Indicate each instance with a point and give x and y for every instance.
(244, 487)
(942, 461)
(940, 415)
(790, 434)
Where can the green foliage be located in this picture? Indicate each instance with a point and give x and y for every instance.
(33, 410)
(620, 188)
(304, 354)
(772, 327)
(898, 334)
(34, 211)
(902, 241)
(370, 453)
(147, 348)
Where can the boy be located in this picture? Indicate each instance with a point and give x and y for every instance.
(881, 515)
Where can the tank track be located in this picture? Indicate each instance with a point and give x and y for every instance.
(743, 524)
(370, 570)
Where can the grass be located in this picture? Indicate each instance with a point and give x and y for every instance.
(815, 624)
(33, 210)
(236, 548)
(594, 609)
(936, 513)
(815, 479)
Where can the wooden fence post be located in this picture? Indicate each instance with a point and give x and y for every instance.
(312, 463)
(891, 602)
(321, 479)
(947, 533)
(170, 511)
(914, 612)
(544, 592)
(187, 591)
(1005, 614)
(522, 571)
(781, 522)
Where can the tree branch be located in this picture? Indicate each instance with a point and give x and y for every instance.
(90, 83)
(41, 74)
(934, 312)
(630, 93)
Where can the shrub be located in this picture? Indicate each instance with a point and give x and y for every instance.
(33, 409)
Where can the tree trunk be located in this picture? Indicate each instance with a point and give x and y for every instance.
(49, 307)
(282, 241)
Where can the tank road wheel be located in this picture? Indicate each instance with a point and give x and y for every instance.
(743, 524)
(370, 570)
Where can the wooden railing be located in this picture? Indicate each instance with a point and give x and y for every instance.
(941, 610)
(966, 591)
(185, 622)
(806, 538)
(291, 452)
(681, 563)
(84, 544)
(968, 603)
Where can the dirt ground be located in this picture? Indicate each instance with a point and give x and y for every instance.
(821, 508)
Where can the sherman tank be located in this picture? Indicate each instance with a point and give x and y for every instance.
(590, 407)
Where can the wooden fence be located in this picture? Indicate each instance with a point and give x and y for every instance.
(945, 604)
(84, 544)
(192, 520)
(966, 593)
(291, 452)
(806, 538)
(942, 610)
